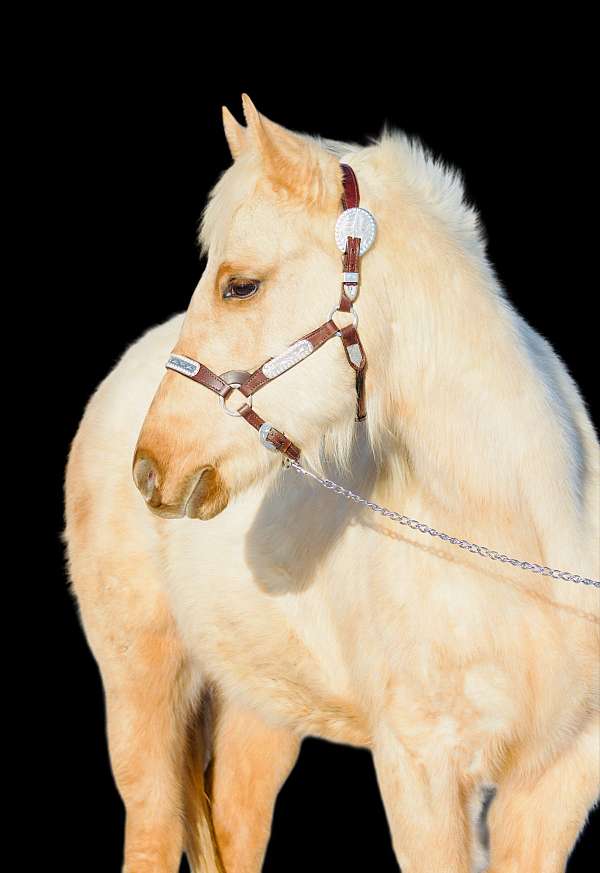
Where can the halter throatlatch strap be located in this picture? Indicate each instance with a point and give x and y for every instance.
(350, 281)
(249, 383)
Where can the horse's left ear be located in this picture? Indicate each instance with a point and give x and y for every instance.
(235, 133)
(293, 162)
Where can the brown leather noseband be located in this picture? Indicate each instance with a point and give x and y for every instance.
(249, 383)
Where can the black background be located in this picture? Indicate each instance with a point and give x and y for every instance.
(132, 143)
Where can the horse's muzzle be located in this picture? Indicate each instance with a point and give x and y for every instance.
(202, 496)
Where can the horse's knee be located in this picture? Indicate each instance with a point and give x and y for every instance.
(251, 760)
(535, 821)
(155, 849)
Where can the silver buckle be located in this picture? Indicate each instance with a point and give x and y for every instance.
(263, 435)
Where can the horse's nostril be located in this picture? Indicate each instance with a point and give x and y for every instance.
(144, 476)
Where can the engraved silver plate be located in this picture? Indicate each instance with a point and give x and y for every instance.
(355, 354)
(296, 353)
(355, 222)
(184, 365)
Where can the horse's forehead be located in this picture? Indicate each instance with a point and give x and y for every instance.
(242, 215)
(258, 222)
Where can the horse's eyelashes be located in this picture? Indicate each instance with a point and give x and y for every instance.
(241, 288)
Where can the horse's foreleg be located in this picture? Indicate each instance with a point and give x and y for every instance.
(534, 823)
(146, 699)
(251, 761)
(424, 805)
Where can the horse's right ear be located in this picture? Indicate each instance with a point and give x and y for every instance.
(235, 133)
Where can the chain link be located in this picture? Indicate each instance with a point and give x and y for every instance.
(424, 528)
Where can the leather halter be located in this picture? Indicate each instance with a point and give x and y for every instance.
(249, 383)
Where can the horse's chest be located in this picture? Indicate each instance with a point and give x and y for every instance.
(285, 656)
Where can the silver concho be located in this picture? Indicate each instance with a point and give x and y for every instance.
(355, 222)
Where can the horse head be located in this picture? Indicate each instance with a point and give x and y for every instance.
(272, 275)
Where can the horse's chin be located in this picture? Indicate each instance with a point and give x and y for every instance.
(205, 513)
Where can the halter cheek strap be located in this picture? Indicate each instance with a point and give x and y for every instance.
(350, 222)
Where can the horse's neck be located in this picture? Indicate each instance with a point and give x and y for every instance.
(471, 446)
(479, 448)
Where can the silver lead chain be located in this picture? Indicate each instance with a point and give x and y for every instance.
(424, 528)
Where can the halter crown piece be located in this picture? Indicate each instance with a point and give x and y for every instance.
(354, 233)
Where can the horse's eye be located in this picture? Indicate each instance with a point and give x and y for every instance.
(241, 288)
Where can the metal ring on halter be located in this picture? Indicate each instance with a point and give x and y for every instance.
(352, 311)
(240, 377)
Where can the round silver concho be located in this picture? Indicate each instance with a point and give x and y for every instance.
(355, 222)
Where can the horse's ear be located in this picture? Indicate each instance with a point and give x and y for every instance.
(291, 160)
(235, 133)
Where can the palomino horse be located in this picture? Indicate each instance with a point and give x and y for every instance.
(290, 613)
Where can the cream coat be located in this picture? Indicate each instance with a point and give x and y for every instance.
(291, 612)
